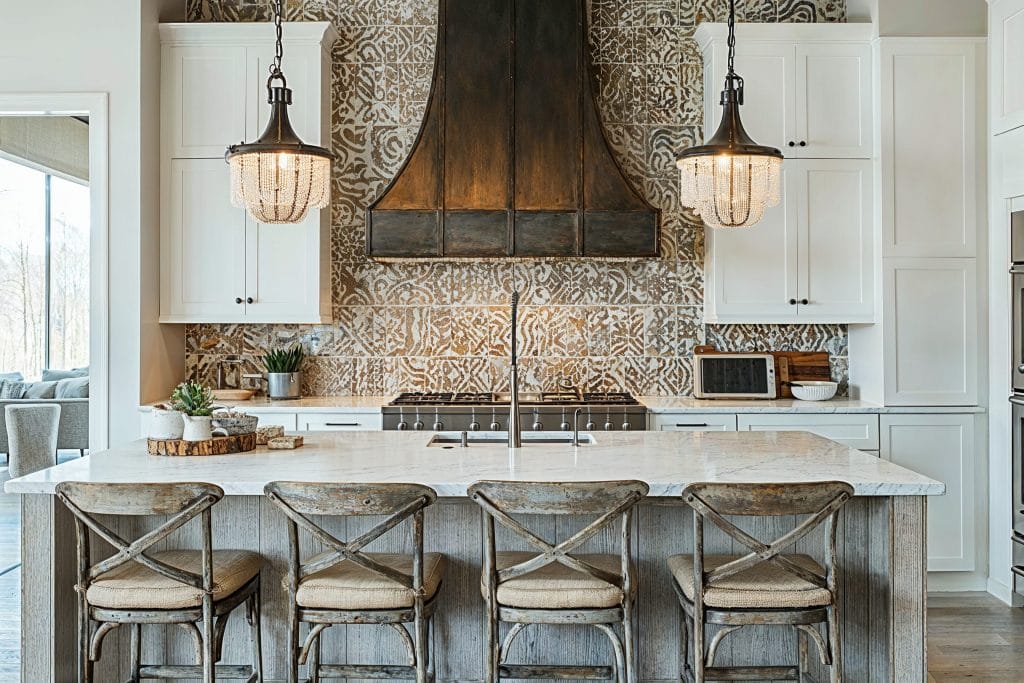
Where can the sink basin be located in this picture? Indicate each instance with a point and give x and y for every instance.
(454, 439)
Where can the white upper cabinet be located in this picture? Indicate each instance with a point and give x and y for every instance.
(1006, 32)
(932, 151)
(810, 259)
(217, 263)
(807, 88)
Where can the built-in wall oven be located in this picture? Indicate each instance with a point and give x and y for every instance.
(1017, 399)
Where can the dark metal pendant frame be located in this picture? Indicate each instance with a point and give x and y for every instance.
(279, 137)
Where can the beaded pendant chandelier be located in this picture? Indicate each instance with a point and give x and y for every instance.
(279, 178)
(731, 180)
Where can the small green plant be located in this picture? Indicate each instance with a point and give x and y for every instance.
(192, 398)
(285, 360)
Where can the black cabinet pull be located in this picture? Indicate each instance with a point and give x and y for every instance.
(804, 302)
(238, 299)
(341, 424)
(803, 143)
(692, 424)
(248, 300)
(792, 144)
(792, 302)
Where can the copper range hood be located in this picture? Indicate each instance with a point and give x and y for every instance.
(511, 159)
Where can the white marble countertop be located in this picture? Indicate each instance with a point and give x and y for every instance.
(667, 461)
(684, 404)
(655, 404)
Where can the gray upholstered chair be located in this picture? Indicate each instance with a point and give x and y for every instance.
(31, 437)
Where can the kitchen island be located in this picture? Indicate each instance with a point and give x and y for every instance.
(882, 537)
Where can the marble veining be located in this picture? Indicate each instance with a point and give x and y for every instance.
(667, 461)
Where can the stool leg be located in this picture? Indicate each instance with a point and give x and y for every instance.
(492, 662)
(835, 645)
(253, 609)
(293, 639)
(209, 644)
(84, 662)
(136, 652)
(698, 645)
(803, 662)
(420, 643)
(684, 644)
(313, 661)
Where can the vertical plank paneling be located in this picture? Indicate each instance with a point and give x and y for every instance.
(909, 584)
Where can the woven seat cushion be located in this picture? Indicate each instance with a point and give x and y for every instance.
(556, 586)
(134, 586)
(763, 586)
(347, 586)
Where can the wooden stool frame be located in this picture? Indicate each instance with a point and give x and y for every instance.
(821, 501)
(182, 502)
(611, 500)
(398, 502)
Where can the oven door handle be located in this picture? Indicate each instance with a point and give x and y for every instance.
(1017, 400)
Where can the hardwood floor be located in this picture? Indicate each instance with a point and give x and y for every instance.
(972, 637)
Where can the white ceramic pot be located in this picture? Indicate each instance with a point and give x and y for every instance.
(166, 424)
(198, 428)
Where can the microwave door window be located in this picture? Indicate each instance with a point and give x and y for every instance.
(735, 376)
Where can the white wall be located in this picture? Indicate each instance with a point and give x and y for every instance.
(98, 46)
(925, 17)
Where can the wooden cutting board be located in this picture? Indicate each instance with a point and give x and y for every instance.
(790, 366)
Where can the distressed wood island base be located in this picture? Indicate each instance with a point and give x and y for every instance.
(881, 541)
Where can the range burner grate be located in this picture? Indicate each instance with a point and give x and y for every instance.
(486, 398)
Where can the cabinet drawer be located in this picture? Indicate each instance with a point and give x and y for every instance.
(693, 422)
(287, 420)
(339, 422)
(856, 431)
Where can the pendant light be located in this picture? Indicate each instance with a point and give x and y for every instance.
(730, 180)
(279, 178)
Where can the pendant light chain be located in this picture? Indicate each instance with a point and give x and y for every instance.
(733, 82)
(275, 68)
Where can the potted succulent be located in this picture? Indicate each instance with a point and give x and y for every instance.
(196, 405)
(166, 422)
(284, 380)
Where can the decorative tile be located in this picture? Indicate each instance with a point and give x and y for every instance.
(612, 325)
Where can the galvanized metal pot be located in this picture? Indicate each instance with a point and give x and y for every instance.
(284, 385)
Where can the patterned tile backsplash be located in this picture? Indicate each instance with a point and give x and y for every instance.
(444, 325)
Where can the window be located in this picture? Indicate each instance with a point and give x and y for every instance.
(44, 271)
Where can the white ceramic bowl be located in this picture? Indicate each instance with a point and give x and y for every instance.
(814, 391)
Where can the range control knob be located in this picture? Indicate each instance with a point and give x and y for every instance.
(538, 426)
(403, 425)
(626, 426)
(590, 425)
(438, 426)
(495, 426)
(417, 425)
(474, 426)
(608, 426)
(565, 426)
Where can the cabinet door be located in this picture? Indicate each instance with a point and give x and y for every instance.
(282, 272)
(854, 430)
(301, 69)
(931, 349)
(203, 245)
(289, 421)
(941, 447)
(836, 260)
(693, 422)
(931, 149)
(833, 100)
(1006, 38)
(769, 93)
(199, 80)
(752, 272)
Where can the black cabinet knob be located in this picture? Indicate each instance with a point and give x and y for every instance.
(803, 143)
(249, 300)
(238, 299)
(792, 302)
(792, 144)
(804, 302)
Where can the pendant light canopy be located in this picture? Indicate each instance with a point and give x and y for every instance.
(730, 180)
(279, 178)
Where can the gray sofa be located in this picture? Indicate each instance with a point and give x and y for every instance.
(73, 431)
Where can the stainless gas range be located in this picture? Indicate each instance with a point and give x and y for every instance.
(539, 411)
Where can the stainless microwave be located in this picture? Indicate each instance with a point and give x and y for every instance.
(734, 375)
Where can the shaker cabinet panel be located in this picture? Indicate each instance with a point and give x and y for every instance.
(283, 271)
(196, 81)
(693, 422)
(834, 102)
(1006, 34)
(854, 430)
(941, 447)
(769, 109)
(931, 347)
(203, 262)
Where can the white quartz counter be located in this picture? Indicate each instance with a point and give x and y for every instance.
(310, 404)
(687, 404)
(667, 461)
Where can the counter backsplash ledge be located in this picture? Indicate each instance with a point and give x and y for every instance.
(401, 326)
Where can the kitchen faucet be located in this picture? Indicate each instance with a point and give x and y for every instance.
(515, 437)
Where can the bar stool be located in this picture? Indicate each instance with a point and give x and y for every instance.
(194, 589)
(556, 586)
(344, 585)
(764, 586)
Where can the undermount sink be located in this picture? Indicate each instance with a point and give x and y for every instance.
(454, 439)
